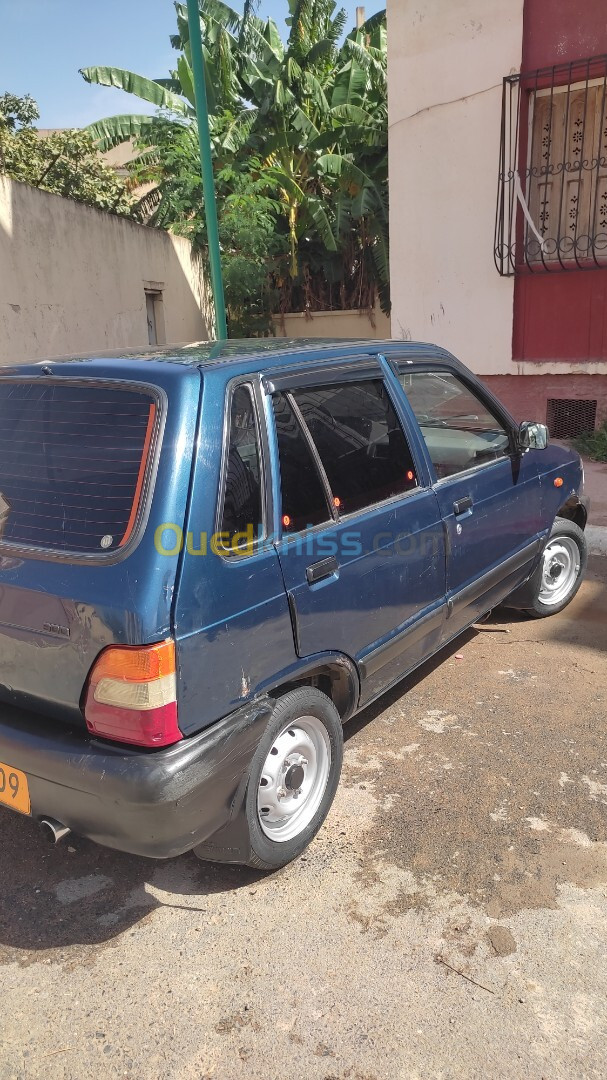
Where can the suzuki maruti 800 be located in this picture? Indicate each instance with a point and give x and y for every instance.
(213, 557)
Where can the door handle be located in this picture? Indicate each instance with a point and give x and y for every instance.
(461, 505)
(320, 570)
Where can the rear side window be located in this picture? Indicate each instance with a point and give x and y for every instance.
(242, 502)
(72, 464)
(304, 503)
(360, 442)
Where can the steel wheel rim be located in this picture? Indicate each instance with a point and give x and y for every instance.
(560, 570)
(293, 779)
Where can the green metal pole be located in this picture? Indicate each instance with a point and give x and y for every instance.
(206, 168)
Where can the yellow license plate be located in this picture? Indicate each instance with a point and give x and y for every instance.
(14, 789)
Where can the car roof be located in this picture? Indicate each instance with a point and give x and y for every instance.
(248, 353)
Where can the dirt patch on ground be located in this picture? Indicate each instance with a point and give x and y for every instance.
(500, 794)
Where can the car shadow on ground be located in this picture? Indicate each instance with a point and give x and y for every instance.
(583, 623)
(81, 894)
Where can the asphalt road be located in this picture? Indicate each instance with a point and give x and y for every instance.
(449, 921)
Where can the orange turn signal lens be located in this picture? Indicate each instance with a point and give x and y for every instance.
(559, 481)
(136, 664)
(286, 521)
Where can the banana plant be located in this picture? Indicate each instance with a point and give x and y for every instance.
(312, 110)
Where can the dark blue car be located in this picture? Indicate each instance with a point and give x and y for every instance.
(212, 557)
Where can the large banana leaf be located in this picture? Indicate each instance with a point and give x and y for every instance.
(186, 79)
(353, 114)
(350, 85)
(317, 212)
(339, 166)
(310, 205)
(367, 61)
(302, 122)
(238, 131)
(273, 39)
(147, 89)
(170, 84)
(118, 129)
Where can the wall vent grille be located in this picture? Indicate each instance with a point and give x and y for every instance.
(567, 418)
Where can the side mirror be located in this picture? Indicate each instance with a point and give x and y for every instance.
(533, 436)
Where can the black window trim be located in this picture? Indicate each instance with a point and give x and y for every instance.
(332, 518)
(252, 385)
(351, 369)
(491, 403)
(358, 374)
(159, 398)
(320, 469)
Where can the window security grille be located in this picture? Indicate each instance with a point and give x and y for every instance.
(567, 418)
(552, 189)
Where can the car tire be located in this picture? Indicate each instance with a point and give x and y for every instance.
(561, 570)
(293, 777)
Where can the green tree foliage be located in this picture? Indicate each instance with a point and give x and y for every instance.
(65, 162)
(251, 251)
(299, 131)
(251, 245)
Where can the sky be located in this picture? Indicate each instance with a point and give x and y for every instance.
(43, 43)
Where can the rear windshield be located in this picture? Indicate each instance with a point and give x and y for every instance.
(72, 464)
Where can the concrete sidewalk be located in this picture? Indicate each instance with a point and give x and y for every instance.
(595, 487)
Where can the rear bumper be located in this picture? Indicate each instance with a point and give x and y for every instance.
(155, 803)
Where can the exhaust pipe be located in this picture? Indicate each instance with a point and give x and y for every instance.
(52, 830)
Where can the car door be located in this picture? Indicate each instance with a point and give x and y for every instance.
(361, 542)
(488, 492)
(232, 619)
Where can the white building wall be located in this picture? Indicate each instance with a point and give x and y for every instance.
(446, 62)
(73, 279)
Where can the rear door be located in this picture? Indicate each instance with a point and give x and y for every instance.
(488, 493)
(232, 618)
(361, 540)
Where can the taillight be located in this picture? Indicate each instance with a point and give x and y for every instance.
(132, 695)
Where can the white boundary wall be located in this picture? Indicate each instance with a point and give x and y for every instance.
(73, 279)
(333, 324)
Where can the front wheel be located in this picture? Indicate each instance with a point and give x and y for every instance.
(561, 570)
(293, 777)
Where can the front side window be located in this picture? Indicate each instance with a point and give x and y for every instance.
(459, 430)
(242, 504)
(360, 442)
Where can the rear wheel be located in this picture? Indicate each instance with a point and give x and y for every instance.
(293, 777)
(561, 570)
